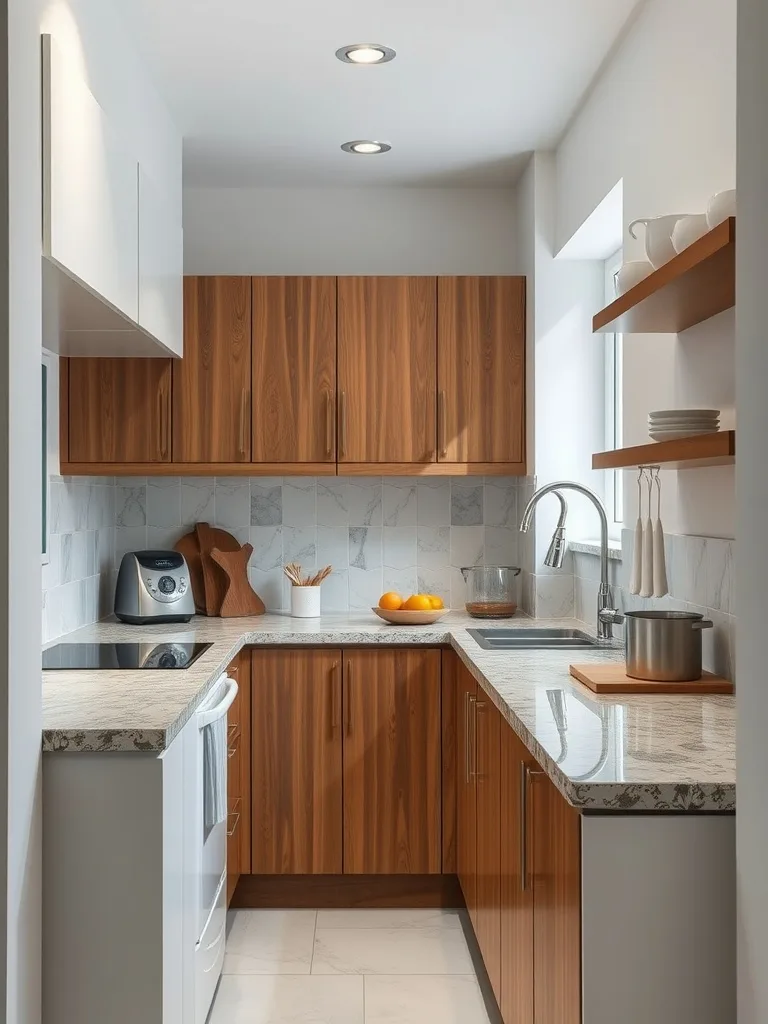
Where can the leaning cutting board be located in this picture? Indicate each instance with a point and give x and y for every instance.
(612, 678)
(216, 581)
(240, 598)
(189, 547)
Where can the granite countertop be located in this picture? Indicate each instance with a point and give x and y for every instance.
(621, 753)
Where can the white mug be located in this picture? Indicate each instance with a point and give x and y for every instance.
(721, 206)
(658, 237)
(688, 230)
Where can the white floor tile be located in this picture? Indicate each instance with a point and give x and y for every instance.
(391, 951)
(417, 1000)
(270, 942)
(388, 918)
(289, 999)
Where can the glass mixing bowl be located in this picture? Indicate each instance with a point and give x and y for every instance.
(492, 590)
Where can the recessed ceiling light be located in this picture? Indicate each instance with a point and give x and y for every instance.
(366, 147)
(365, 53)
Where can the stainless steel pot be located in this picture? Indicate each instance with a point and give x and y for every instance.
(664, 647)
(491, 590)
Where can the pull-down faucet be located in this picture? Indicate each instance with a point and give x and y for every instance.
(606, 613)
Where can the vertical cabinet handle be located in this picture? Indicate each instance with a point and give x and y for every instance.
(329, 424)
(343, 423)
(467, 719)
(335, 697)
(160, 426)
(472, 737)
(348, 694)
(243, 407)
(480, 707)
(526, 775)
(442, 426)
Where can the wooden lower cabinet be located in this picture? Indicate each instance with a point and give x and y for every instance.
(466, 800)
(392, 762)
(488, 854)
(296, 762)
(555, 852)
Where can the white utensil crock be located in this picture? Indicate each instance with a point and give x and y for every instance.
(688, 230)
(305, 602)
(658, 237)
(721, 206)
(631, 273)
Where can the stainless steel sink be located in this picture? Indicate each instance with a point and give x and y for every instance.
(532, 639)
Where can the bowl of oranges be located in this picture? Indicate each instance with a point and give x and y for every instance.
(416, 610)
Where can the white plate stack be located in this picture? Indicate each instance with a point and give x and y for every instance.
(671, 424)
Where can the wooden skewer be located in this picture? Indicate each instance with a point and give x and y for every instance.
(293, 572)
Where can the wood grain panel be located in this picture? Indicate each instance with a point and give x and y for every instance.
(296, 763)
(200, 469)
(433, 469)
(488, 928)
(696, 452)
(119, 411)
(63, 412)
(450, 719)
(294, 369)
(386, 368)
(392, 763)
(212, 383)
(516, 1001)
(481, 369)
(244, 682)
(466, 799)
(326, 891)
(556, 879)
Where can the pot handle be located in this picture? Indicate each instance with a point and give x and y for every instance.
(641, 220)
(702, 624)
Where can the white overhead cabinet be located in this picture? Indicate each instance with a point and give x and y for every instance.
(111, 238)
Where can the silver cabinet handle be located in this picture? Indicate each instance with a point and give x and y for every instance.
(343, 423)
(348, 689)
(243, 406)
(467, 765)
(473, 738)
(480, 706)
(235, 823)
(526, 774)
(442, 427)
(334, 701)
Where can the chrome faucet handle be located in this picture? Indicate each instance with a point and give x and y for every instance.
(612, 615)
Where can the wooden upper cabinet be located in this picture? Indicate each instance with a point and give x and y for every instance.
(296, 762)
(488, 927)
(392, 762)
(294, 369)
(481, 369)
(555, 851)
(516, 894)
(212, 383)
(119, 410)
(387, 369)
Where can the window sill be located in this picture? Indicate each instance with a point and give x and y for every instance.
(592, 547)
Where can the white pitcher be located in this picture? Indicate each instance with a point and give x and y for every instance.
(658, 237)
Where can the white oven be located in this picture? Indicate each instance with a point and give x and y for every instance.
(209, 849)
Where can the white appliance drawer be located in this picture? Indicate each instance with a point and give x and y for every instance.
(209, 954)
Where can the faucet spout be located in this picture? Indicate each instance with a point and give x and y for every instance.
(607, 615)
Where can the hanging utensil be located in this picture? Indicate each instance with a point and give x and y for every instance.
(646, 571)
(637, 552)
(660, 585)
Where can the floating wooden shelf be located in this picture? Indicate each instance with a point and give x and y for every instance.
(687, 453)
(694, 286)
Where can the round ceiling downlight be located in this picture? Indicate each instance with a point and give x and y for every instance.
(366, 147)
(366, 53)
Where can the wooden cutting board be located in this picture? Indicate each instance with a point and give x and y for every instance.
(612, 678)
(240, 597)
(215, 579)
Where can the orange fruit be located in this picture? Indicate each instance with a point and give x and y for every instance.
(391, 601)
(436, 602)
(418, 603)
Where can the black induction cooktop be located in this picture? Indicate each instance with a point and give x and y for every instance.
(118, 656)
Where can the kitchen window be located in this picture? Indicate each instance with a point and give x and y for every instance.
(614, 486)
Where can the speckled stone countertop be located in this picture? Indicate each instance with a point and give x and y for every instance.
(621, 753)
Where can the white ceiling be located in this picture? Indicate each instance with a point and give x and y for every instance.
(261, 99)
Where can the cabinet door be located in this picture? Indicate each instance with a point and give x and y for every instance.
(387, 369)
(481, 369)
(296, 762)
(238, 775)
(488, 926)
(161, 265)
(212, 383)
(516, 1002)
(466, 846)
(294, 369)
(392, 762)
(119, 410)
(555, 849)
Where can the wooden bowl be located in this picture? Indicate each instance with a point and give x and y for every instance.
(400, 618)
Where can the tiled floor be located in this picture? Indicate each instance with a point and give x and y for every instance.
(347, 967)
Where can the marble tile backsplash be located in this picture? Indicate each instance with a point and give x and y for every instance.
(700, 574)
(379, 533)
(78, 582)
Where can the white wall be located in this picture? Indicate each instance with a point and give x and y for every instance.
(752, 501)
(121, 85)
(662, 116)
(350, 231)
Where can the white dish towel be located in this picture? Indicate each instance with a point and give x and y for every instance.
(215, 772)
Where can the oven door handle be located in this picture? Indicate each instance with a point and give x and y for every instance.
(205, 718)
